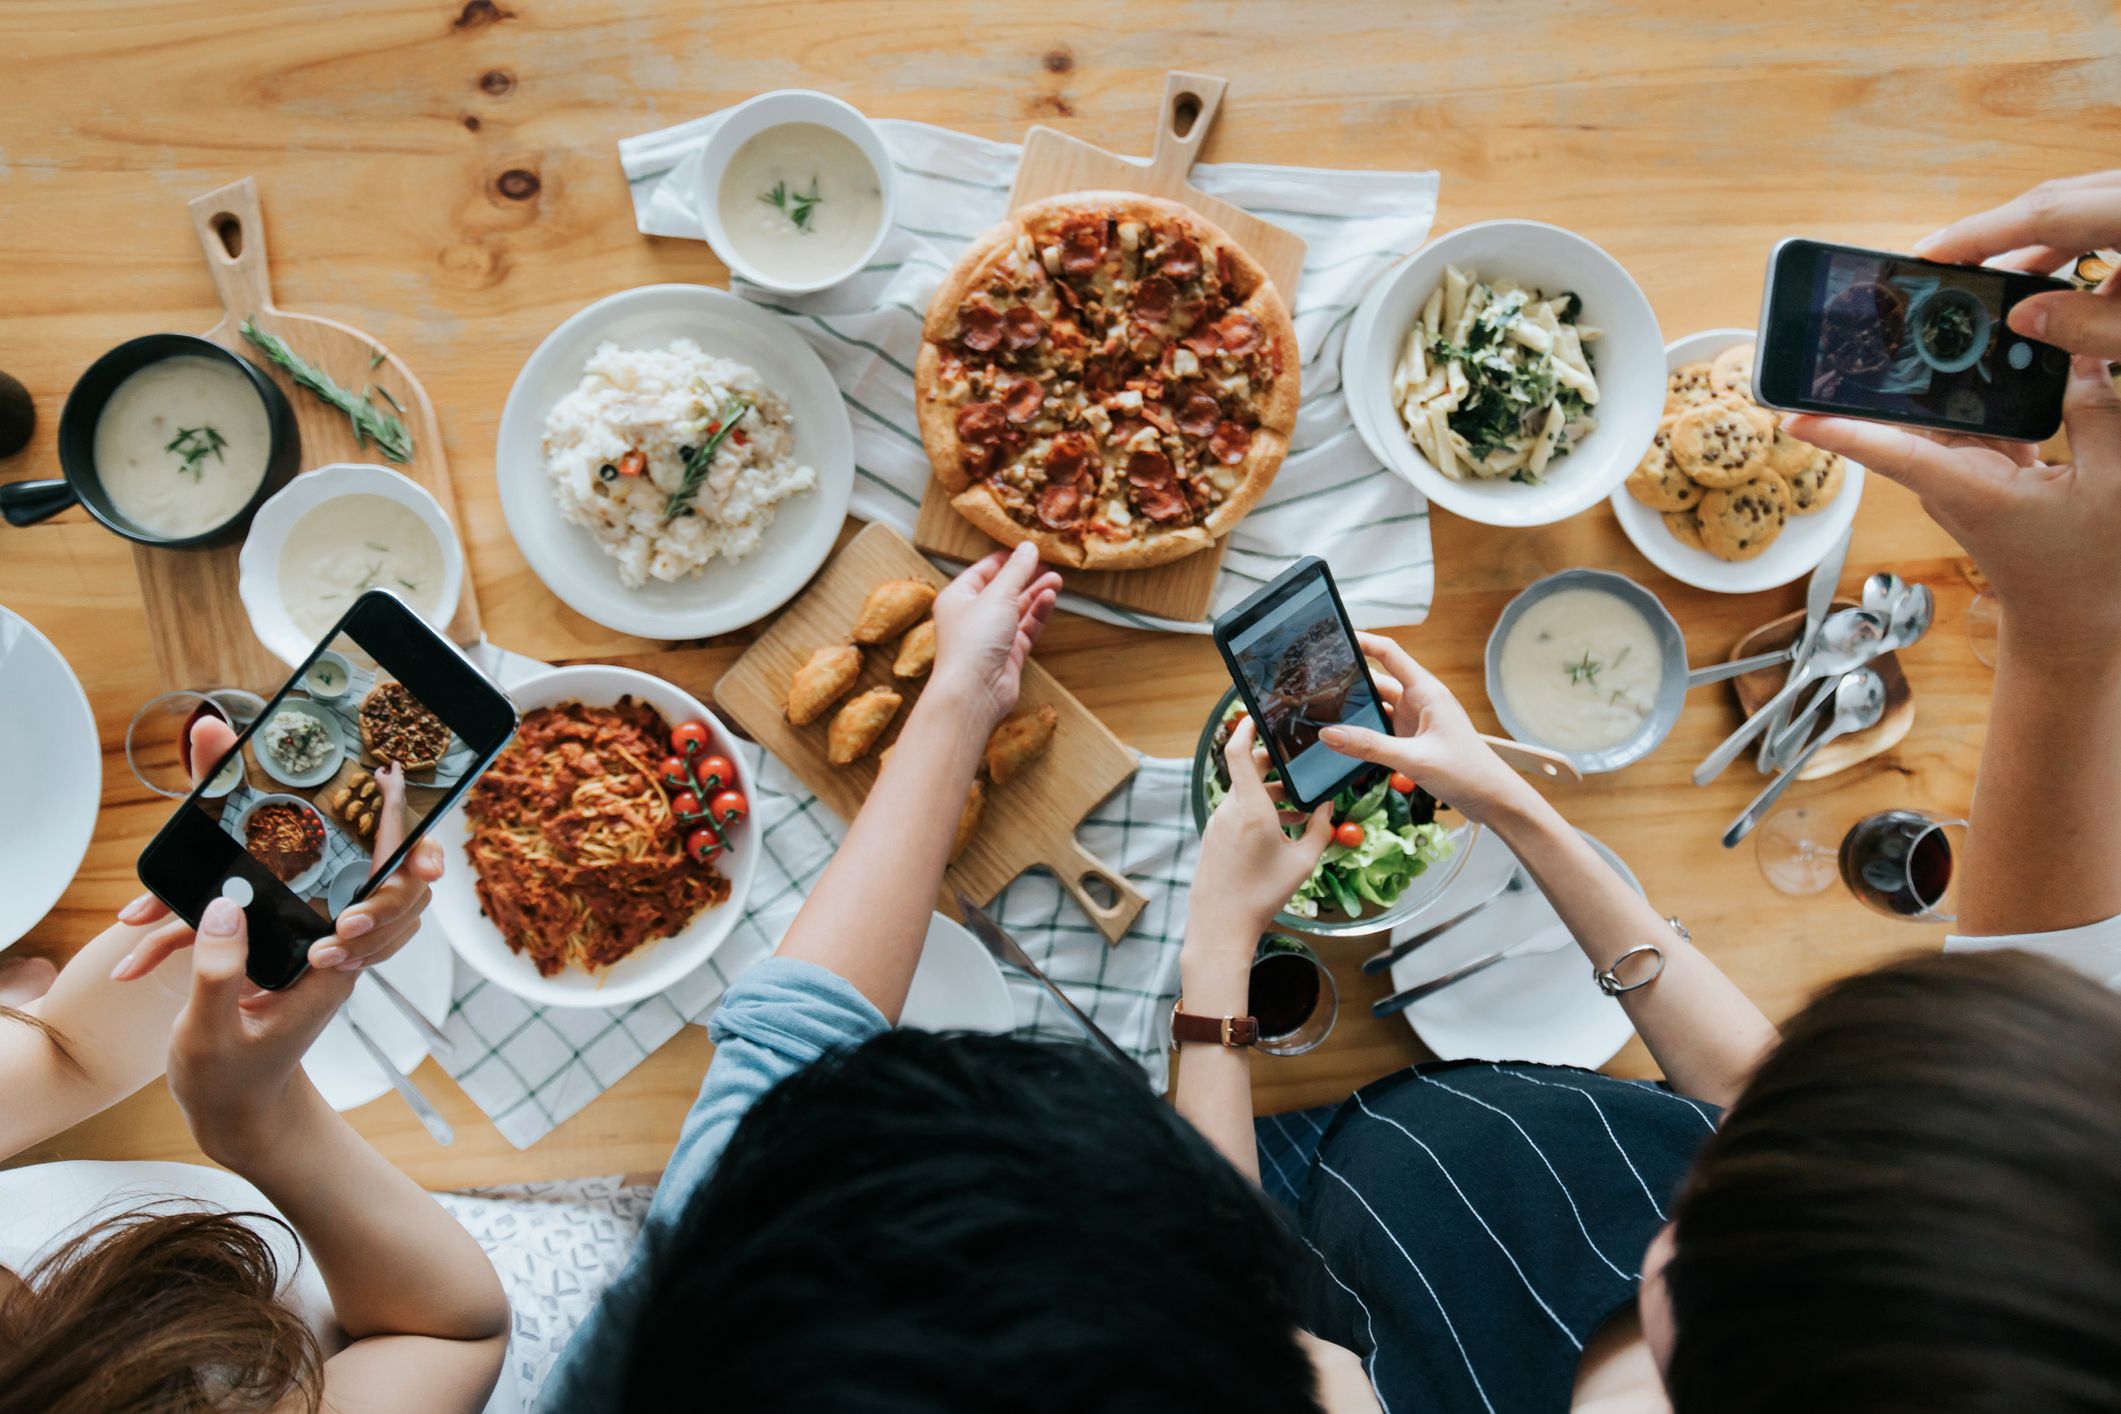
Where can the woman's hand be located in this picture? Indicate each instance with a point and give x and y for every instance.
(2042, 231)
(1433, 740)
(985, 623)
(364, 935)
(1248, 867)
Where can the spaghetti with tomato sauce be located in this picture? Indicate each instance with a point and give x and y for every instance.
(579, 856)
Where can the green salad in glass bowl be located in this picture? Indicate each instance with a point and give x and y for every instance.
(1410, 845)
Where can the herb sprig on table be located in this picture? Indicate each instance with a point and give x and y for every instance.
(796, 206)
(370, 423)
(696, 466)
(195, 445)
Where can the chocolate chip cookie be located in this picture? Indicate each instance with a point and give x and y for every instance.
(1659, 484)
(1687, 387)
(1738, 522)
(1723, 443)
(1815, 484)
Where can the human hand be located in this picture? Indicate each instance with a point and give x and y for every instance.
(1248, 866)
(1433, 740)
(2043, 533)
(2042, 231)
(985, 623)
(364, 935)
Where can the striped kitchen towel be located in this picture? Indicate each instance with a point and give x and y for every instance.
(1331, 497)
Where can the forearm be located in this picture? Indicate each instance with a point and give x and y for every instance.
(1704, 1033)
(2043, 850)
(1214, 1090)
(867, 917)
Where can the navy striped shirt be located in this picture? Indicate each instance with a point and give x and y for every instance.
(1476, 1223)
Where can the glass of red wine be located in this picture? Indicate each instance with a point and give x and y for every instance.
(158, 740)
(1901, 863)
(1292, 996)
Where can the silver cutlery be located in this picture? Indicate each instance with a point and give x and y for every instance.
(1739, 667)
(1818, 600)
(1005, 949)
(1378, 961)
(1847, 640)
(430, 1118)
(1914, 610)
(437, 1041)
(1545, 941)
(1859, 701)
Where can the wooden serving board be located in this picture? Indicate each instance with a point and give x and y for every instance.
(1032, 820)
(1754, 689)
(201, 634)
(1054, 164)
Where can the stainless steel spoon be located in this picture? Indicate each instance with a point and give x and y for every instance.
(1859, 701)
(1847, 640)
(1914, 610)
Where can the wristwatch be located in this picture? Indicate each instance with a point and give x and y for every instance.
(1232, 1031)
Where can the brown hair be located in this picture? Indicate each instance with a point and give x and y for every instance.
(156, 1310)
(1915, 1205)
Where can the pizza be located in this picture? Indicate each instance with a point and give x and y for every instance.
(1108, 376)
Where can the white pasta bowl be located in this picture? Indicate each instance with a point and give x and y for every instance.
(1627, 361)
(258, 566)
(650, 969)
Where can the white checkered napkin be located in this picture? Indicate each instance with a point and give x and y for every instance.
(530, 1067)
(1331, 495)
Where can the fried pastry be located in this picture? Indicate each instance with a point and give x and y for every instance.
(916, 651)
(856, 726)
(1018, 742)
(820, 682)
(891, 608)
(968, 818)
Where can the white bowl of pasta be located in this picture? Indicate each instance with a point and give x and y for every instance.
(1511, 370)
(576, 878)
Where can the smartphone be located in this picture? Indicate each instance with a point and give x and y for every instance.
(1865, 333)
(1293, 655)
(283, 824)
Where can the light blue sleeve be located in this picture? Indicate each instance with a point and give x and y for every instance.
(775, 1020)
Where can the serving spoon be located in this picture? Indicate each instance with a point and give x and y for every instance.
(1847, 640)
(1859, 701)
(1914, 610)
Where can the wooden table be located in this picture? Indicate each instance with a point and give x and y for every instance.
(444, 175)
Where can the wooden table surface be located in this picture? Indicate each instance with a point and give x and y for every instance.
(443, 175)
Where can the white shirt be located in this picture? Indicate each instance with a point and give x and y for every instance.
(2094, 949)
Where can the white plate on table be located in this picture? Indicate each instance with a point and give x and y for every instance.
(1544, 1009)
(649, 969)
(1803, 543)
(46, 722)
(723, 596)
(958, 985)
(340, 1066)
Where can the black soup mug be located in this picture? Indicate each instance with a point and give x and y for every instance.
(27, 502)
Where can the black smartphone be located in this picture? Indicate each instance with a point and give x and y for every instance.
(1865, 333)
(1293, 655)
(285, 823)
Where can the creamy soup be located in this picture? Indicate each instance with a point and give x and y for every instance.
(346, 547)
(182, 445)
(1581, 669)
(800, 202)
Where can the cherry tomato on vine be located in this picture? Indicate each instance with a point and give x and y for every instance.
(1403, 783)
(686, 738)
(717, 769)
(703, 844)
(1348, 835)
(685, 803)
(674, 772)
(730, 805)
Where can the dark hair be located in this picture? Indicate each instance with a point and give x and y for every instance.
(1915, 1205)
(162, 1310)
(944, 1223)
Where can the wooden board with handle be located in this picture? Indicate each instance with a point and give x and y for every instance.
(195, 619)
(1055, 163)
(1030, 821)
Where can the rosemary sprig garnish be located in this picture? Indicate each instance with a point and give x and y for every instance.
(370, 423)
(796, 206)
(195, 445)
(696, 468)
(1583, 672)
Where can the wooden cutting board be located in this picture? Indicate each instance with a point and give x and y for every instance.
(1754, 689)
(201, 634)
(1055, 163)
(1032, 820)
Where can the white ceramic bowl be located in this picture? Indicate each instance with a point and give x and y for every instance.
(303, 882)
(1626, 360)
(50, 732)
(649, 969)
(1801, 546)
(318, 774)
(777, 109)
(258, 567)
(722, 596)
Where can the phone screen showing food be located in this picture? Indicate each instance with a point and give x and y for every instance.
(1302, 672)
(377, 733)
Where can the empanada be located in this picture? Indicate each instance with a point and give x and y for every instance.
(1018, 742)
(916, 651)
(968, 819)
(891, 608)
(819, 682)
(856, 726)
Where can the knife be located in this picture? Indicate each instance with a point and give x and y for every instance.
(1005, 949)
(1818, 599)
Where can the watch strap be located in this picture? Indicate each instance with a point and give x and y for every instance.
(1233, 1031)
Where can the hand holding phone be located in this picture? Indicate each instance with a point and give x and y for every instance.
(2042, 231)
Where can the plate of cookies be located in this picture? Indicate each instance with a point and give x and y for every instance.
(1724, 499)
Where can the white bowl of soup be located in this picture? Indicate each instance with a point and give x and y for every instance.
(332, 535)
(796, 190)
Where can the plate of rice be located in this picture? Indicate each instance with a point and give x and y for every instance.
(675, 462)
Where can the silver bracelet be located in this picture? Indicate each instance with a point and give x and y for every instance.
(1608, 978)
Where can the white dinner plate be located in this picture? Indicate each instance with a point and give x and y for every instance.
(958, 985)
(1544, 1008)
(340, 1066)
(50, 733)
(1803, 543)
(723, 596)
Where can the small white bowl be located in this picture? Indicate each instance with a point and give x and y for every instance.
(777, 109)
(258, 567)
(1803, 543)
(1627, 361)
(316, 775)
(307, 879)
